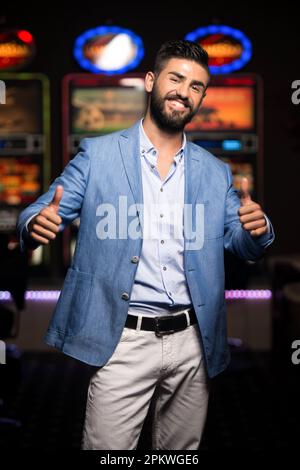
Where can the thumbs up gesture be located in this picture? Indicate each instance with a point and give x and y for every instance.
(250, 213)
(45, 225)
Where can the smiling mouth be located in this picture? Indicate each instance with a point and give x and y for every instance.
(177, 104)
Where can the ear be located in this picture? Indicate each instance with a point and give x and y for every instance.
(149, 81)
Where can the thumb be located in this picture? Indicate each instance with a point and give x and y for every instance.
(54, 204)
(244, 192)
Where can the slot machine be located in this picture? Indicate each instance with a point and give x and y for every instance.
(95, 105)
(24, 151)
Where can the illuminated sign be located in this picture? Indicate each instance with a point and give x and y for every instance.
(17, 49)
(109, 50)
(228, 49)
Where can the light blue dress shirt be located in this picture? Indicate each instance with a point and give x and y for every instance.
(160, 286)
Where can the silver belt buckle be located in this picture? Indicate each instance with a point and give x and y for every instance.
(158, 332)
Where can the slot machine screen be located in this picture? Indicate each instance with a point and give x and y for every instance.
(225, 109)
(106, 109)
(21, 113)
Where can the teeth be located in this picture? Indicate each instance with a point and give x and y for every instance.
(177, 104)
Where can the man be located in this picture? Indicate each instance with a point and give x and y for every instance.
(144, 304)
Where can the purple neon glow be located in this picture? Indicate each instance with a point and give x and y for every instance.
(34, 295)
(248, 294)
(52, 295)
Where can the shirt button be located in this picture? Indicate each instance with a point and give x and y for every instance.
(135, 259)
(125, 296)
(152, 166)
(154, 152)
(162, 241)
(161, 215)
(164, 268)
(161, 189)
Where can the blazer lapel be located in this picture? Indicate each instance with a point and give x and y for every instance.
(193, 175)
(194, 193)
(129, 143)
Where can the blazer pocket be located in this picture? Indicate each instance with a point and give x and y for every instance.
(73, 304)
(79, 309)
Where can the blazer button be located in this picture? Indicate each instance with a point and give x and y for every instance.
(135, 259)
(125, 296)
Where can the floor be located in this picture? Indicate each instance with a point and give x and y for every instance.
(253, 405)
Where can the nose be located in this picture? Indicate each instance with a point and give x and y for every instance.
(182, 90)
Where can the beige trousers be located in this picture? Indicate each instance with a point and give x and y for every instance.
(165, 372)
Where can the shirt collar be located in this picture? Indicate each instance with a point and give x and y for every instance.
(146, 144)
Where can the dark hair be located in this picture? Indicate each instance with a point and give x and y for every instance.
(181, 49)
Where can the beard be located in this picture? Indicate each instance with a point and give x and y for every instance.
(173, 121)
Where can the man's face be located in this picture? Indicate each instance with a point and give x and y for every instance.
(176, 93)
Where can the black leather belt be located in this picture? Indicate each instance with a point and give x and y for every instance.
(163, 325)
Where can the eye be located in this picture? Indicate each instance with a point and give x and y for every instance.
(197, 89)
(173, 79)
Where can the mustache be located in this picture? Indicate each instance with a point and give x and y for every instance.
(185, 101)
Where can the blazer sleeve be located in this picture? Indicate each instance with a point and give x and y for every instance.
(236, 238)
(74, 180)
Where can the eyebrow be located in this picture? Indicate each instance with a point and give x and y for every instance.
(194, 82)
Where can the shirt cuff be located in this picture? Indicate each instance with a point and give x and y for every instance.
(268, 224)
(28, 221)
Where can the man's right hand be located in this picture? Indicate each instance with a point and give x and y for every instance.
(45, 225)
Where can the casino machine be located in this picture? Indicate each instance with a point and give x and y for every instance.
(24, 150)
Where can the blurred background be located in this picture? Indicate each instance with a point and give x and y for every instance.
(72, 72)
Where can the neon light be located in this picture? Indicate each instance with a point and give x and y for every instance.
(17, 49)
(14, 51)
(34, 295)
(230, 51)
(52, 295)
(256, 294)
(231, 145)
(223, 50)
(25, 36)
(80, 49)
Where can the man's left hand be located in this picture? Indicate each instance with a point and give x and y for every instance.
(250, 213)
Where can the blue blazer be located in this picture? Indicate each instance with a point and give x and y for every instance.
(91, 311)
